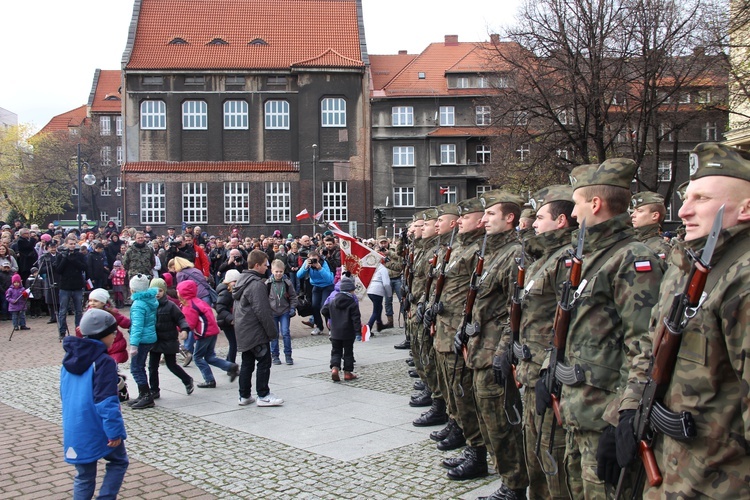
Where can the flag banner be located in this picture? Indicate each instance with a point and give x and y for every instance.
(303, 215)
(365, 332)
(319, 214)
(443, 191)
(356, 258)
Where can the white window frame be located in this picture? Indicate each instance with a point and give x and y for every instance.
(195, 202)
(684, 98)
(105, 154)
(153, 115)
(451, 194)
(403, 156)
(403, 196)
(668, 214)
(462, 82)
(118, 186)
(276, 115)
(235, 114)
(402, 116)
(278, 202)
(447, 116)
(103, 216)
(664, 171)
(236, 202)
(483, 115)
(520, 118)
(485, 153)
(105, 187)
(666, 131)
(153, 203)
(481, 189)
(524, 151)
(335, 201)
(483, 82)
(105, 125)
(194, 115)
(333, 112)
(447, 154)
(710, 131)
(704, 97)
(118, 125)
(563, 153)
(119, 155)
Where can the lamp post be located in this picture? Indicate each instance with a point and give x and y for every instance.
(89, 179)
(314, 189)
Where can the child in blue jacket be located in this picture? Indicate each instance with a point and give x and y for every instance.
(93, 427)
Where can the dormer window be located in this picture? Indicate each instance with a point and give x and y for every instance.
(218, 41)
(178, 41)
(421, 75)
(257, 41)
(110, 97)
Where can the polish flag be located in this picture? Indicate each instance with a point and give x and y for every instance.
(319, 214)
(443, 191)
(303, 215)
(643, 266)
(356, 258)
(365, 332)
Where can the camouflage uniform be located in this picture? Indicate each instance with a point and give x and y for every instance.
(711, 375)
(490, 311)
(419, 351)
(651, 237)
(138, 260)
(608, 327)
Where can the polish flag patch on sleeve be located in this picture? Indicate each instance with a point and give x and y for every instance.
(568, 262)
(643, 266)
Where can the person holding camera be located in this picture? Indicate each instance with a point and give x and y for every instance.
(321, 278)
(70, 266)
(235, 261)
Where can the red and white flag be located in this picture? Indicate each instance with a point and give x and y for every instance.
(304, 214)
(356, 258)
(319, 214)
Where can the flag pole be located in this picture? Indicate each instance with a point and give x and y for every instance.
(314, 186)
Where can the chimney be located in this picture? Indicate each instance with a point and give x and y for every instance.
(402, 52)
(495, 39)
(451, 40)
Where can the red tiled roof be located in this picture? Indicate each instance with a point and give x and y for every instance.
(461, 132)
(65, 121)
(295, 32)
(385, 67)
(162, 167)
(108, 84)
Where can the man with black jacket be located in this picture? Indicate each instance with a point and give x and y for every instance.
(26, 255)
(70, 267)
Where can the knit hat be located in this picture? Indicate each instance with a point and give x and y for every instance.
(347, 284)
(45, 237)
(168, 280)
(16, 278)
(158, 283)
(97, 324)
(34, 270)
(139, 282)
(117, 263)
(232, 275)
(99, 294)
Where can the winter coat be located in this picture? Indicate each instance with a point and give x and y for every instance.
(224, 306)
(90, 405)
(25, 255)
(112, 249)
(198, 314)
(380, 284)
(119, 348)
(253, 320)
(320, 278)
(143, 317)
(70, 266)
(281, 295)
(193, 274)
(15, 298)
(96, 264)
(343, 313)
(169, 319)
(138, 259)
(35, 284)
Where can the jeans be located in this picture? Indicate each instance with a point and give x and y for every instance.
(190, 341)
(138, 365)
(261, 354)
(377, 309)
(319, 296)
(205, 355)
(85, 481)
(282, 327)
(396, 287)
(342, 349)
(65, 297)
(19, 318)
(171, 362)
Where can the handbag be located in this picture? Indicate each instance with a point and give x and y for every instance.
(304, 306)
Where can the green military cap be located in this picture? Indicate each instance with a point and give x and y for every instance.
(447, 209)
(470, 206)
(496, 196)
(417, 216)
(555, 192)
(712, 158)
(616, 172)
(681, 190)
(430, 214)
(527, 213)
(645, 198)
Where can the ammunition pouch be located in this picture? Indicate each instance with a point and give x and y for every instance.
(521, 352)
(472, 329)
(569, 375)
(679, 426)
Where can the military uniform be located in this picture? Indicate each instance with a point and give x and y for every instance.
(711, 376)
(650, 234)
(608, 326)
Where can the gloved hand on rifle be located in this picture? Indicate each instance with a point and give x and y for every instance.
(617, 448)
(501, 368)
(543, 397)
(458, 345)
(420, 312)
(625, 434)
(428, 317)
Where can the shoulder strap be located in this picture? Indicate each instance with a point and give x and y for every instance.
(602, 259)
(719, 270)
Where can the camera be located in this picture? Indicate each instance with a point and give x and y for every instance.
(324, 252)
(313, 261)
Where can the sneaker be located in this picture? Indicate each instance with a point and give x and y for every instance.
(188, 357)
(289, 360)
(276, 360)
(245, 401)
(316, 331)
(190, 387)
(269, 400)
(207, 385)
(233, 372)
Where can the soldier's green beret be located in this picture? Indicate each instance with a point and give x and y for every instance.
(430, 214)
(496, 196)
(681, 190)
(527, 213)
(447, 209)
(555, 192)
(645, 198)
(712, 158)
(470, 206)
(616, 172)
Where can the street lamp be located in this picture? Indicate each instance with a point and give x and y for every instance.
(314, 165)
(89, 179)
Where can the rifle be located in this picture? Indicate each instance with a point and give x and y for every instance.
(515, 351)
(471, 296)
(558, 373)
(406, 279)
(652, 417)
(428, 285)
(437, 306)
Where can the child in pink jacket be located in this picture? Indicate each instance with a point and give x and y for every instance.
(200, 317)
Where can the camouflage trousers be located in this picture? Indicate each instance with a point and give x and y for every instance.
(542, 486)
(459, 396)
(424, 357)
(504, 441)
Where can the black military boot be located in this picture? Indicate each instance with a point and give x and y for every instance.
(410, 361)
(403, 345)
(452, 462)
(473, 467)
(443, 433)
(419, 386)
(505, 493)
(413, 373)
(424, 398)
(454, 440)
(436, 415)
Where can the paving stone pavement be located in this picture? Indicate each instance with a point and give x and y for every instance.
(329, 440)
